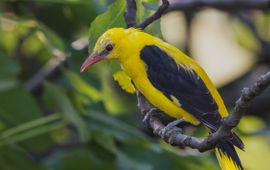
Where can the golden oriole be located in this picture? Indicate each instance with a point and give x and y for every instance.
(170, 81)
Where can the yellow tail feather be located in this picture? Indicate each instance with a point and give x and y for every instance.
(225, 162)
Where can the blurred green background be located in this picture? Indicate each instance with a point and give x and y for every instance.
(52, 117)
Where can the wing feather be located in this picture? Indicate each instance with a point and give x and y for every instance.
(124, 81)
(181, 82)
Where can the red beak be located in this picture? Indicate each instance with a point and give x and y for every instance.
(92, 59)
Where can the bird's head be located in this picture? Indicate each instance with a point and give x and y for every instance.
(106, 48)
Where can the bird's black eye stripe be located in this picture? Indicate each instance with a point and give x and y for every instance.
(109, 47)
(107, 50)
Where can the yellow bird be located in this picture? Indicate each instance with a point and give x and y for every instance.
(170, 81)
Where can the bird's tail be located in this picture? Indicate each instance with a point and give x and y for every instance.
(227, 156)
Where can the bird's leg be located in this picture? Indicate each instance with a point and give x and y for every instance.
(152, 112)
(171, 125)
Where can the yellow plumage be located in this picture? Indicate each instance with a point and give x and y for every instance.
(126, 45)
(124, 81)
(133, 63)
(225, 162)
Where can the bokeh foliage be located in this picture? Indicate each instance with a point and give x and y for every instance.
(73, 120)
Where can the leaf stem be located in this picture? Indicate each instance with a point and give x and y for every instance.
(33, 132)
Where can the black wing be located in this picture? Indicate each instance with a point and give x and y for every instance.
(185, 85)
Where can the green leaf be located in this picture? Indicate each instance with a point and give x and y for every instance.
(28, 130)
(143, 13)
(66, 1)
(124, 161)
(14, 159)
(262, 20)
(93, 157)
(77, 159)
(151, 5)
(115, 99)
(9, 69)
(145, 158)
(113, 17)
(30, 134)
(17, 106)
(82, 87)
(151, 1)
(115, 127)
(7, 84)
(57, 99)
(29, 125)
(244, 35)
(50, 39)
(251, 124)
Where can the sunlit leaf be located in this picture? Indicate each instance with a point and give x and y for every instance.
(262, 20)
(244, 35)
(251, 124)
(81, 86)
(258, 148)
(115, 101)
(56, 98)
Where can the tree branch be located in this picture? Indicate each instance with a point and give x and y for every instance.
(164, 6)
(130, 13)
(189, 5)
(45, 72)
(175, 136)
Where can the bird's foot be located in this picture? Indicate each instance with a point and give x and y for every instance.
(170, 126)
(152, 112)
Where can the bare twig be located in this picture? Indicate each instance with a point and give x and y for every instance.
(188, 5)
(130, 13)
(164, 6)
(45, 72)
(52, 67)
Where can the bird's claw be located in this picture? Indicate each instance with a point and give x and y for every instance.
(148, 115)
(164, 131)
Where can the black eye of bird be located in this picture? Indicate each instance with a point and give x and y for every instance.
(109, 47)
